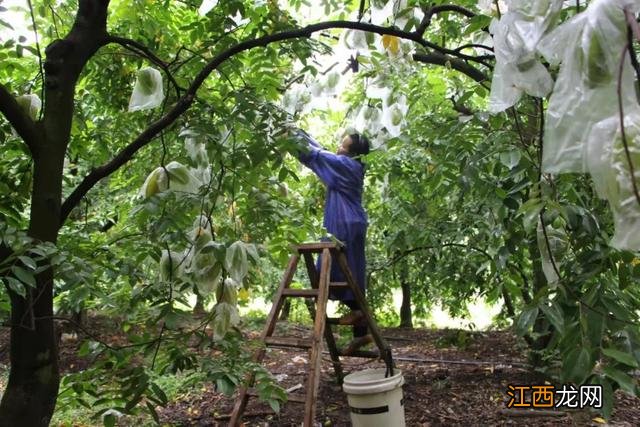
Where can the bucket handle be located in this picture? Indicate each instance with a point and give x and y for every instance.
(389, 362)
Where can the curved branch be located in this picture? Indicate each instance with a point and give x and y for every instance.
(426, 21)
(21, 122)
(475, 45)
(408, 252)
(144, 51)
(438, 58)
(187, 99)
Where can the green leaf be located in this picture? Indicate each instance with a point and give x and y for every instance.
(236, 261)
(554, 314)
(225, 386)
(607, 395)
(29, 262)
(625, 382)
(621, 357)
(275, 405)
(153, 412)
(16, 286)
(593, 325)
(282, 175)
(159, 392)
(530, 211)
(24, 276)
(5, 24)
(109, 420)
(577, 365)
(526, 320)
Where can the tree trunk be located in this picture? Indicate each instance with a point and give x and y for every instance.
(542, 332)
(30, 397)
(32, 389)
(198, 309)
(406, 320)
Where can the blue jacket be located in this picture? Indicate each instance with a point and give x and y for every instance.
(344, 179)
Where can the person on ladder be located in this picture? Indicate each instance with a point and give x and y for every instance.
(344, 217)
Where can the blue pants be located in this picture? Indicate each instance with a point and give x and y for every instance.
(354, 250)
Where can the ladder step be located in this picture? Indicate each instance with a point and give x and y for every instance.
(317, 247)
(288, 342)
(304, 293)
(339, 284)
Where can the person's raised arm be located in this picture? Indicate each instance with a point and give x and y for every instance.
(328, 166)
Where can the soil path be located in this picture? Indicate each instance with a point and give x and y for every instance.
(435, 394)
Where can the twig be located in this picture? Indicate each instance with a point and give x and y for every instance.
(476, 45)
(426, 21)
(632, 23)
(81, 328)
(421, 248)
(144, 51)
(19, 120)
(170, 302)
(361, 10)
(54, 15)
(35, 32)
(621, 113)
(438, 58)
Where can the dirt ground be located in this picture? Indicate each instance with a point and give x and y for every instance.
(452, 378)
(435, 394)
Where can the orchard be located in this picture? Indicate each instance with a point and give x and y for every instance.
(150, 194)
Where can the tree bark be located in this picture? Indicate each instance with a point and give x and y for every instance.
(542, 332)
(32, 388)
(406, 318)
(30, 396)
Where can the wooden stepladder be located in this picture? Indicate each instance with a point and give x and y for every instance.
(319, 292)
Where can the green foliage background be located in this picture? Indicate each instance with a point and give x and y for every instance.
(453, 201)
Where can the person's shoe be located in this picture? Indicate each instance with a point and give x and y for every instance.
(356, 344)
(351, 318)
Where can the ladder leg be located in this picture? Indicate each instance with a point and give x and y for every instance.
(331, 344)
(385, 350)
(313, 380)
(243, 396)
(333, 351)
(328, 333)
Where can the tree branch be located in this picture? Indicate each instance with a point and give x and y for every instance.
(21, 122)
(144, 51)
(408, 252)
(188, 97)
(437, 58)
(426, 21)
(35, 33)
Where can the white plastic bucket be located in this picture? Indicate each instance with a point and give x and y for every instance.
(375, 401)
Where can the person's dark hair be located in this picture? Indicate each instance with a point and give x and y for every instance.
(359, 145)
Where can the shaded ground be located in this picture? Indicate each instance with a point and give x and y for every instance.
(436, 393)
